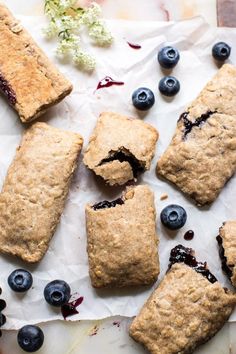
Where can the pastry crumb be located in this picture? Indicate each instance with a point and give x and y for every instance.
(164, 196)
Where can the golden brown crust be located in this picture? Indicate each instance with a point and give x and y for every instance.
(122, 241)
(35, 190)
(186, 310)
(228, 236)
(117, 133)
(33, 80)
(200, 161)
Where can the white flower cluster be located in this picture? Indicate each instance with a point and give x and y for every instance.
(66, 21)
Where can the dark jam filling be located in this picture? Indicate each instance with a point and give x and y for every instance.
(70, 308)
(106, 204)
(225, 267)
(181, 254)
(7, 90)
(188, 125)
(125, 157)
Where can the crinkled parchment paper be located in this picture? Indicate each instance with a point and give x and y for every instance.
(67, 258)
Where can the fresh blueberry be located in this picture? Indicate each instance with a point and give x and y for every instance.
(168, 57)
(57, 293)
(30, 338)
(2, 319)
(169, 86)
(143, 98)
(173, 217)
(2, 305)
(20, 280)
(221, 51)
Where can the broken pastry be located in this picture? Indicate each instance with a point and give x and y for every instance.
(35, 190)
(186, 310)
(120, 147)
(227, 249)
(28, 79)
(201, 157)
(122, 240)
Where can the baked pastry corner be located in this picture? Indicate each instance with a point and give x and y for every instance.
(227, 249)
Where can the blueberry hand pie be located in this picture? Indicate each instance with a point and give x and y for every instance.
(186, 310)
(30, 82)
(122, 240)
(202, 154)
(120, 148)
(35, 190)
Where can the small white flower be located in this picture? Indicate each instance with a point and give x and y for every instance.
(84, 60)
(66, 20)
(100, 34)
(91, 14)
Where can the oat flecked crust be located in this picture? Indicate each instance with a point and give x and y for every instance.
(35, 190)
(122, 241)
(228, 235)
(117, 133)
(202, 154)
(186, 310)
(27, 77)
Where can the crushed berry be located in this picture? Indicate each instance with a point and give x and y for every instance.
(225, 267)
(7, 90)
(128, 157)
(70, 308)
(106, 204)
(181, 254)
(188, 125)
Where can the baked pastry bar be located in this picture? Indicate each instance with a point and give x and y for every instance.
(28, 79)
(120, 147)
(227, 249)
(202, 154)
(186, 310)
(122, 240)
(35, 190)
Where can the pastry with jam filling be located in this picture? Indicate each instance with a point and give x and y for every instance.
(122, 240)
(201, 157)
(187, 309)
(120, 148)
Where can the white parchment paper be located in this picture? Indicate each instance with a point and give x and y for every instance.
(67, 258)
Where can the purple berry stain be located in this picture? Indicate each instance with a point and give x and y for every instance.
(70, 308)
(116, 323)
(107, 81)
(94, 331)
(134, 46)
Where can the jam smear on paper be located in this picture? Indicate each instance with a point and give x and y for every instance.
(70, 308)
(107, 81)
(134, 46)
